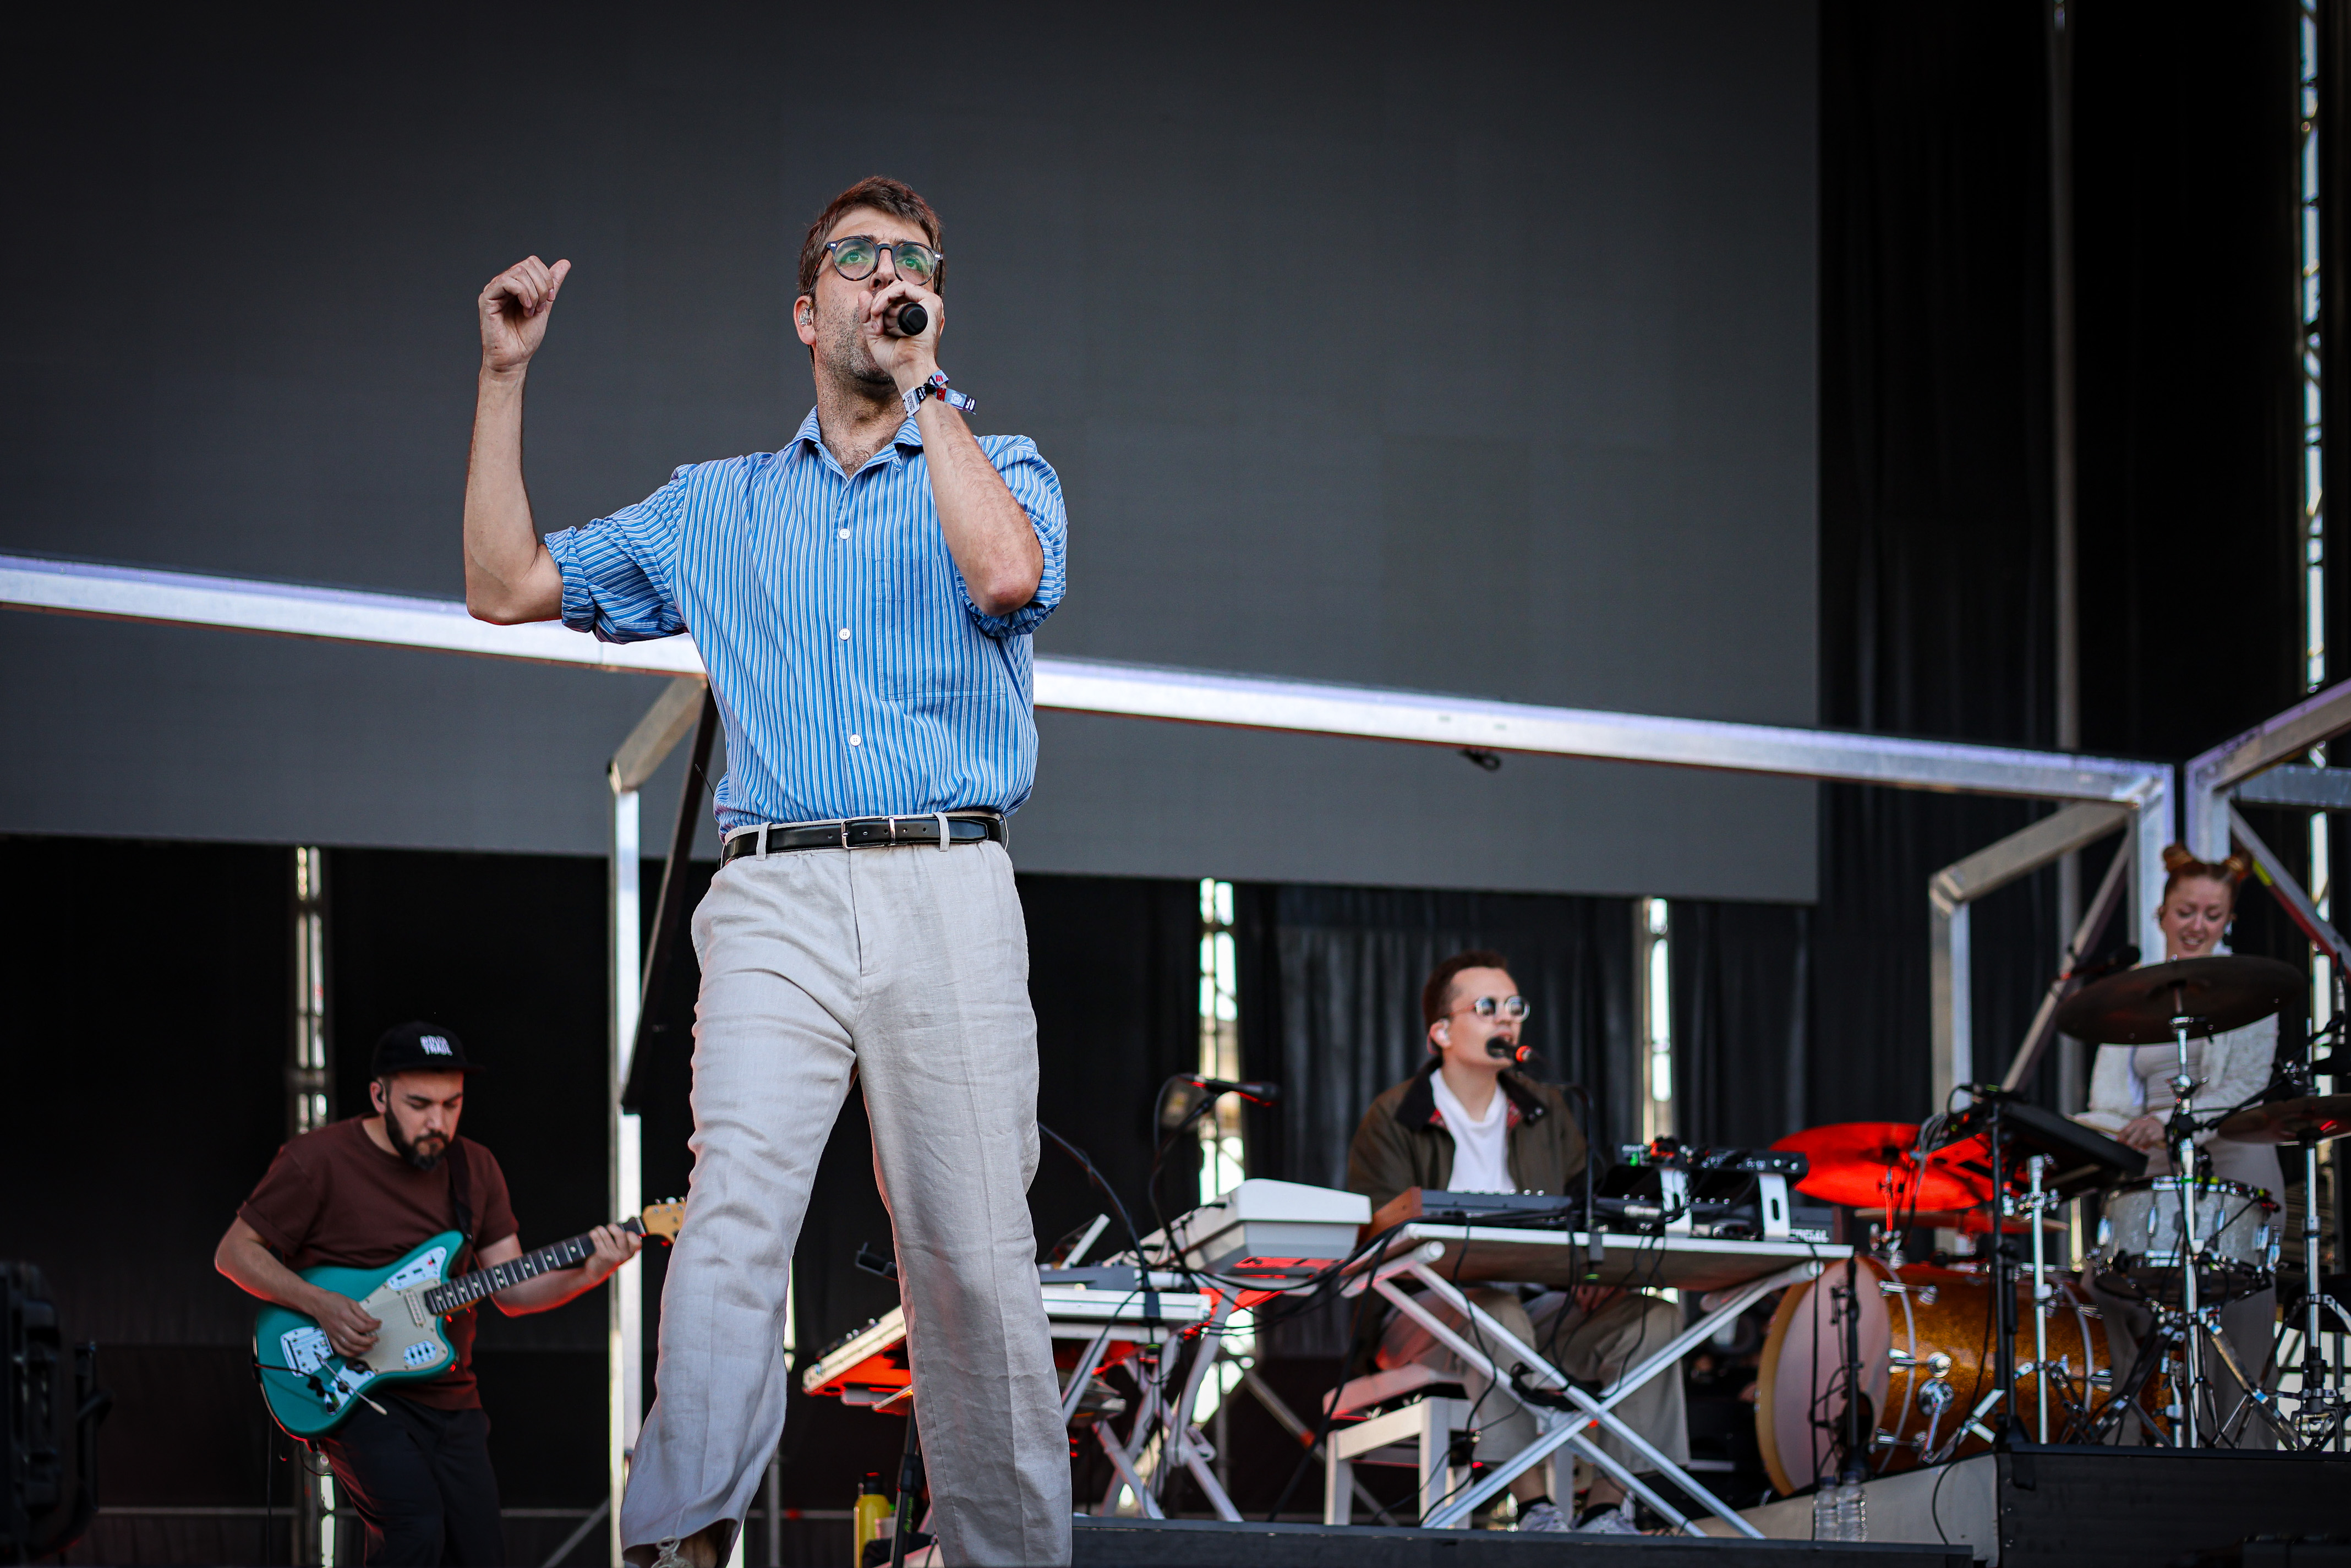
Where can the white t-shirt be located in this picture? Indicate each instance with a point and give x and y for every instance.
(1481, 1154)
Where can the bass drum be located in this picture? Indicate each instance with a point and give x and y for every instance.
(1927, 1360)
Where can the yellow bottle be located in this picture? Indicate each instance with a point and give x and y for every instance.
(872, 1508)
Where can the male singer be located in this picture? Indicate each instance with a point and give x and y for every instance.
(863, 600)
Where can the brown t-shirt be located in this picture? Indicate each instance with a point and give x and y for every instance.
(333, 1196)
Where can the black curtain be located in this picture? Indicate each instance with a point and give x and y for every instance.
(1741, 982)
(146, 1043)
(1937, 534)
(1330, 997)
(2185, 194)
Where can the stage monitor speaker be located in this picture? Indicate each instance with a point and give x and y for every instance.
(48, 1503)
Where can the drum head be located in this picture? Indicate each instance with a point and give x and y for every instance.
(1803, 1377)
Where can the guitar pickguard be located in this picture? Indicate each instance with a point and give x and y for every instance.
(409, 1340)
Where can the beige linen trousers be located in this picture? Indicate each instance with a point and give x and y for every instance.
(909, 965)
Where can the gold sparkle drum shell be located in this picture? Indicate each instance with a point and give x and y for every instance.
(1926, 1347)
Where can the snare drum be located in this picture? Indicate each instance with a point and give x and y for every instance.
(2141, 1242)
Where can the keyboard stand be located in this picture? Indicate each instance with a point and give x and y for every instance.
(1428, 1244)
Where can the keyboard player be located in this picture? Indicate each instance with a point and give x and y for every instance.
(1467, 1122)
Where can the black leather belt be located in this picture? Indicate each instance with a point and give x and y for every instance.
(863, 833)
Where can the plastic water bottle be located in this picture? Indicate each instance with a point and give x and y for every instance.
(1840, 1512)
(1853, 1513)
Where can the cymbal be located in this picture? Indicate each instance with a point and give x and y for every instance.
(1862, 1163)
(2221, 993)
(2323, 1116)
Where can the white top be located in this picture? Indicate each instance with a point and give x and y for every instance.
(2127, 1082)
(1481, 1149)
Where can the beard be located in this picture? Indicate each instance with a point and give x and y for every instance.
(847, 357)
(425, 1153)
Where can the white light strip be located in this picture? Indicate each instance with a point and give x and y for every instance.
(1084, 685)
(1249, 702)
(187, 598)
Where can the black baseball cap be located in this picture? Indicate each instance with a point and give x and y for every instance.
(420, 1047)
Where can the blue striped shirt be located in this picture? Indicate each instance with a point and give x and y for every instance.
(854, 675)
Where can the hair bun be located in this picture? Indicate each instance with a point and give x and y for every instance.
(2180, 866)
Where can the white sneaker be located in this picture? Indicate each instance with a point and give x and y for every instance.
(1544, 1516)
(1606, 1521)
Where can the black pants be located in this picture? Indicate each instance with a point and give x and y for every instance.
(420, 1479)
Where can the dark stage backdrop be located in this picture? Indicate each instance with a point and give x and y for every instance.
(1464, 351)
(1937, 534)
(146, 1049)
(1331, 997)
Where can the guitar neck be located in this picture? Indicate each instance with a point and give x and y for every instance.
(466, 1288)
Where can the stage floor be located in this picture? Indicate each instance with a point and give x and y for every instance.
(1208, 1543)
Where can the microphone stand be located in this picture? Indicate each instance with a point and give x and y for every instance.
(2003, 1281)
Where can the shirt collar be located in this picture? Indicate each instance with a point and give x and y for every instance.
(810, 436)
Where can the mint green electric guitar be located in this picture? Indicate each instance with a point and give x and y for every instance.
(311, 1388)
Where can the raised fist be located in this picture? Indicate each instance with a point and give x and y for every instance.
(515, 308)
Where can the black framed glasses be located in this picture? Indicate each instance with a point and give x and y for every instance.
(1512, 1008)
(855, 256)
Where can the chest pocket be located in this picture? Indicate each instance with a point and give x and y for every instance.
(926, 652)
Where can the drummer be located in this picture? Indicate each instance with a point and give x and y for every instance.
(2131, 1102)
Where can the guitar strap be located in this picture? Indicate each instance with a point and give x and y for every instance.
(461, 1199)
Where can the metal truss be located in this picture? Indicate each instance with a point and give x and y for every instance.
(2102, 794)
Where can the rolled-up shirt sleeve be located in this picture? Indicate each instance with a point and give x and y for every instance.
(619, 573)
(1038, 488)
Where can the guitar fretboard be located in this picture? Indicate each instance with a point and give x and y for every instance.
(467, 1288)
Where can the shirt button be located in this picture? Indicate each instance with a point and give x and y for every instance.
(852, 740)
(844, 633)
(844, 533)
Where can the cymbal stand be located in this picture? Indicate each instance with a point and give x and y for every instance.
(2322, 1404)
(2044, 1292)
(2182, 1133)
(2321, 1408)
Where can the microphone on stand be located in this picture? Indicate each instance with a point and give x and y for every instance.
(1263, 1094)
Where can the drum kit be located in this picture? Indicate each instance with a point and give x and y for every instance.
(1900, 1364)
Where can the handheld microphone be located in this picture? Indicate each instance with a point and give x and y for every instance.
(1263, 1094)
(909, 321)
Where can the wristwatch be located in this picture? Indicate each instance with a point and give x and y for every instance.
(937, 387)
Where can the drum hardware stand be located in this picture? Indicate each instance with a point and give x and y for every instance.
(2044, 1292)
(2321, 1408)
(2182, 1132)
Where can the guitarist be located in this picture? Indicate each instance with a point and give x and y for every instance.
(361, 1193)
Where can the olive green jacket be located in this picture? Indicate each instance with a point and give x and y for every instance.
(1402, 1140)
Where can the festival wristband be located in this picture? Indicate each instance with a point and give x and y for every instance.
(937, 387)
